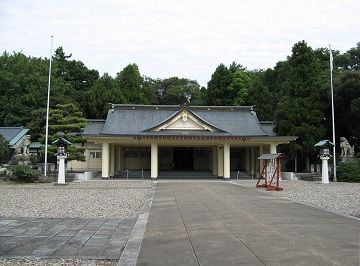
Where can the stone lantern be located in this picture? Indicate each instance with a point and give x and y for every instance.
(62, 145)
(325, 146)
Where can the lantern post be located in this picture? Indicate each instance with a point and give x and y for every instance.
(325, 146)
(62, 145)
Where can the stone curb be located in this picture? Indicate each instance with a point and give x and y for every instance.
(132, 248)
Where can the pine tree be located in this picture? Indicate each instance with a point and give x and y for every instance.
(67, 121)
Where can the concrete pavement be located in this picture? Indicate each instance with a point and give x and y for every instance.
(212, 223)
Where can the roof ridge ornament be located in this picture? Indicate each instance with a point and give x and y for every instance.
(185, 119)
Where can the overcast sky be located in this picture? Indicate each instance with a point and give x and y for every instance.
(185, 38)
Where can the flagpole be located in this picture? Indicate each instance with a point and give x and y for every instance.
(332, 111)
(47, 110)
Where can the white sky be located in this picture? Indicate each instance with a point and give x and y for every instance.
(184, 38)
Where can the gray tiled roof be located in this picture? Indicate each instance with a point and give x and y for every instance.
(94, 127)
(13, 134)
(135, 120)
(268, 127)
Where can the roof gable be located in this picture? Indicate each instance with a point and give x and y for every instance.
(185, 119)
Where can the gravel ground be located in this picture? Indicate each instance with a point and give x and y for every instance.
(340, 197)
(56, 262)
(91, 199)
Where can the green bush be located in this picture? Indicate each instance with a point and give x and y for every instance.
(349, 171)
(24, 173)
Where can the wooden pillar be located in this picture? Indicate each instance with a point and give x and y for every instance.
(220, 162)
(105, 160)
(112, 160)
(226, 161)
(154, 160)
(273, 148)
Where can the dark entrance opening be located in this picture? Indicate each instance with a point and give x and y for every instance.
(183, 158)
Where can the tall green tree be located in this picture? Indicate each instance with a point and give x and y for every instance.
(151, 88)
(130, 81)
(228, 86)
(176, 90)
(75, 75)
(240, 85)
(259, 95)
(351, 59)
(219, 90)
(300, 111)
(103, 92)
(347, 98)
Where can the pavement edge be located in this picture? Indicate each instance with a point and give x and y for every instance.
(132, 248)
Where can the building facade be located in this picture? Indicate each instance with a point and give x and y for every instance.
(17, 138)
(160, 138)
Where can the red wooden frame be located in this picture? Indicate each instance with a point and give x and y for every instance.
(273, 185)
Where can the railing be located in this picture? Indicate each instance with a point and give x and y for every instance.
(251, 173)
(128, 172)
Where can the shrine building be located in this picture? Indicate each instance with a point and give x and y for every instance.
(219, 140)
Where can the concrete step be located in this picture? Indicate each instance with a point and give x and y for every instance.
(134, 174)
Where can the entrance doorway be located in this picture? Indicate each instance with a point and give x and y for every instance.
(183, 158)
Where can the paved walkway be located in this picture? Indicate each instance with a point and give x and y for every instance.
(208, 223)
(64, 238)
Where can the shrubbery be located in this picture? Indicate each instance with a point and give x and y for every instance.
(24, 173)
(349, 171)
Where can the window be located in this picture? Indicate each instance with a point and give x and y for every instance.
(95, 155)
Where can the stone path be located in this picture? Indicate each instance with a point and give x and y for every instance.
(224, 224)
(64, 238)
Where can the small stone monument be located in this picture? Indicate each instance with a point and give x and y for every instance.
(22, 155)
(347, 151)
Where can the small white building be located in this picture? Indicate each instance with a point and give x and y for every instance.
(161, 138)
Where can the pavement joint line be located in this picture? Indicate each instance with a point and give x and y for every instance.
(103, 222)
(227, 228)
(250, 216)
(298, 201)
(186, 229)
(131, 251)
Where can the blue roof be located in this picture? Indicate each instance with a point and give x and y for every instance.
(13, 134)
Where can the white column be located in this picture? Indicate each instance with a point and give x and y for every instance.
(105, 160)
(215, 161)
(227, 161)
(61, 174)
(261, 151)
(325, 170)
(112, 160)
(154, 160)
(273, 148)
(220, 156)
